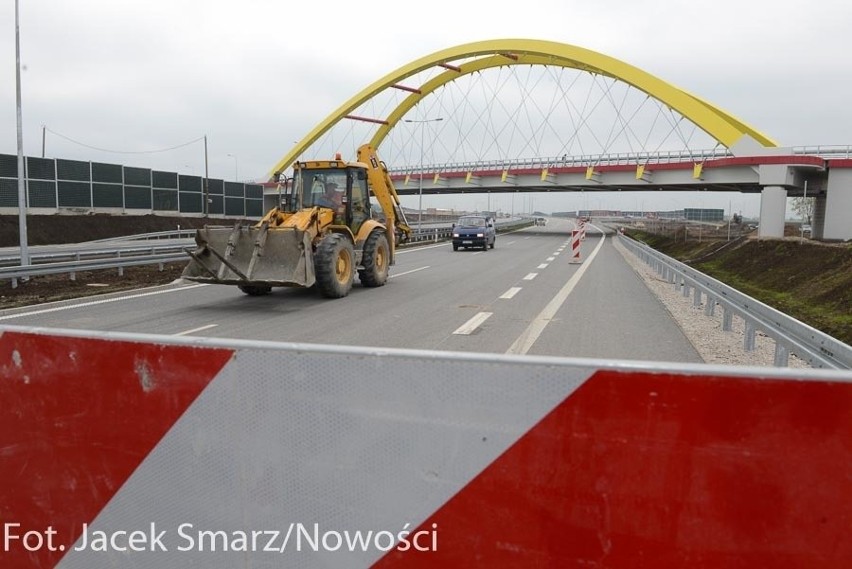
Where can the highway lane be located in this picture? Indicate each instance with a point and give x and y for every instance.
(436, 299)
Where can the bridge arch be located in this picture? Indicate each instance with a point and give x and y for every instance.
(722, 126)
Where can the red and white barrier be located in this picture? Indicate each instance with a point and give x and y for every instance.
(582, 230)
(575, 246)
(132, 451)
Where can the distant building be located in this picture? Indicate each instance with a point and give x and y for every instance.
(697, 214)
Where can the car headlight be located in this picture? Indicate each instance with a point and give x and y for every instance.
(480, 235)
(455, 234)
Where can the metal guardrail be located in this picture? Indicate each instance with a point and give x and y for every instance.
(88, 254)
(72, 267)
(790, 335)
(118, 258)
(170, 234)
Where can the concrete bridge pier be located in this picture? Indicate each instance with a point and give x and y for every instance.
(775, 179)
(773, 208)
(833, 213)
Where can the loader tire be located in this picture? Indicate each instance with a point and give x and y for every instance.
(375, 260)
(334, 265)
(255, 290)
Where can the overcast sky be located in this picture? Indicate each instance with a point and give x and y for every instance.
(135, 76)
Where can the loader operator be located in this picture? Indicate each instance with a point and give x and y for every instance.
(331, 198)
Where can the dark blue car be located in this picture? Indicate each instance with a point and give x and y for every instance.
(474, 231)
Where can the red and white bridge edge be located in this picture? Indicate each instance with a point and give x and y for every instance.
(519, 461)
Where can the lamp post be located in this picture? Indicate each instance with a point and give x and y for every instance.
(22, 190)
(422, 124)
(236, 167)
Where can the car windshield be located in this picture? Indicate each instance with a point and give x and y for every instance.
(471, 222)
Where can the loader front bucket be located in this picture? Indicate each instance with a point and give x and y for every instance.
(251, 256)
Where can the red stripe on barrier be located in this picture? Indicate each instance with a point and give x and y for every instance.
(78, 417)
(660, 471)
(575, 245)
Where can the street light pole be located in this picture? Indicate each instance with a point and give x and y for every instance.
(22, 189)
(422, 124)
(206, 208)
(236, 167)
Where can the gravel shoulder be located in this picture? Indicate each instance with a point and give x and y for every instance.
(705, 332)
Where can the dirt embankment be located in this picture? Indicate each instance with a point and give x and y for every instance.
(57, 229)
(808, 280)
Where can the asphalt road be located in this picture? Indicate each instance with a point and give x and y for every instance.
(524, 296)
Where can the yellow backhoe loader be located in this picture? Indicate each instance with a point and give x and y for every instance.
(322, 232)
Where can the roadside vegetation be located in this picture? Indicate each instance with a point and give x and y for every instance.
(810, 281)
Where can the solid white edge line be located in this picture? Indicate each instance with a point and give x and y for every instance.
(408, 272)
(511, 292)
(526, 340)
(101, 301)
(468, 327)
(194, 330)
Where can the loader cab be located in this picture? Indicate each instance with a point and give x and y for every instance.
(342, 188)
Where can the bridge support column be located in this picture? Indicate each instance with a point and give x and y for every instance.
(818, 219)
(773, 208)
(837, 208)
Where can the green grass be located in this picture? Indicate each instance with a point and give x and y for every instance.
(808, 281)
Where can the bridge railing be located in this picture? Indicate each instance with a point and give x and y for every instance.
(614, 159)
(790, 335)
(827, 151)
(620, 158)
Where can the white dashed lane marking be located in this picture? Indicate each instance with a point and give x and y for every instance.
(194, 330)
(511, 292)
(471, 325)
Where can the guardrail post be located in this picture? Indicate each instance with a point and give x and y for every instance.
(14, 283)
(436, 235)
(813, 347)
(727, 319)
(120, 269)
(748, 341)
(710, 306)
(782, 354)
